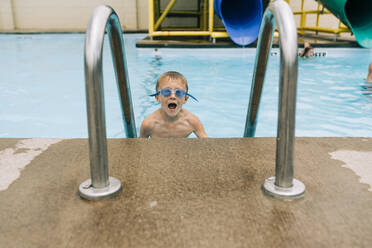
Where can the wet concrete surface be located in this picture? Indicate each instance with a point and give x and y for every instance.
(188, 193)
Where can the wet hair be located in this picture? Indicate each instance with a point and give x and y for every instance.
(172, 75)
(306, 50)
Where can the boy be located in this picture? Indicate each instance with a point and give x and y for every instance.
(308, 51)
(170, 120)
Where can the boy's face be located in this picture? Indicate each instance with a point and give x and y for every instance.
(311, 52)
(172, 104)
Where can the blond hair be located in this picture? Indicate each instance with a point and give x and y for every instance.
(172, 75)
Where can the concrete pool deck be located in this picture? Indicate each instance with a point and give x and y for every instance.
(320, 40)
(186, 193)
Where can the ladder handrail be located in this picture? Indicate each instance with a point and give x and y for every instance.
(277, 11)
(104, 19)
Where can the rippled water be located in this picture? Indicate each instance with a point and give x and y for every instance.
(42, 88)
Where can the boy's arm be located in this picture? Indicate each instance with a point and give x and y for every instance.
(146, 127)
(198, 127)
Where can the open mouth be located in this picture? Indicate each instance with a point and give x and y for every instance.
(172, 106)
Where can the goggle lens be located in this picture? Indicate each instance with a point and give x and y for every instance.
(167, 92)
(179, 93)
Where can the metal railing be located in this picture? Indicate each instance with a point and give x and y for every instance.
(104, 18)
(283, 185)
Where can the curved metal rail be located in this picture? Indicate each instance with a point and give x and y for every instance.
(283, 185)
(104, 18)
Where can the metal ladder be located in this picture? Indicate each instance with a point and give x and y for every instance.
(282, 185)
(104, 18)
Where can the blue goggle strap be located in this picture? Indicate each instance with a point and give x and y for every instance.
(187, 94)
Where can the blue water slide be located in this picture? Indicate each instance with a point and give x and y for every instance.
(242, 19)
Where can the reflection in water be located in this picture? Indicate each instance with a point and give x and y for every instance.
(149, 82)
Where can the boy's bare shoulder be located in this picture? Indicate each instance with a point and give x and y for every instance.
(192, 118)
(196, 124)
(151, 120)
(148, 124)
(189, 116)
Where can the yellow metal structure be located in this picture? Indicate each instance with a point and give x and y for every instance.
(317, 28)
(207, 28)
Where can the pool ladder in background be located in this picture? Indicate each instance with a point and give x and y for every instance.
(283, 185)
(101, 186)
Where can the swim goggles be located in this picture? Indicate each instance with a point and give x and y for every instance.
(166, 92)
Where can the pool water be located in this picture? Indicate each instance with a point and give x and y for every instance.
(42, 88)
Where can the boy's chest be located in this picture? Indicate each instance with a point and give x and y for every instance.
(179, 129)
